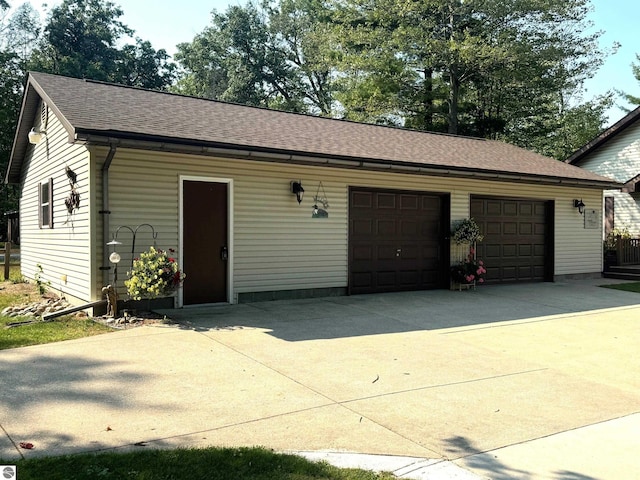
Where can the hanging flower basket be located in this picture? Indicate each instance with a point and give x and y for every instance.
(154, 275)
(466, 231)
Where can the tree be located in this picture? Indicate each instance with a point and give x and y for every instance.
(635, 68)
(81, 40)
(237, 59)
(476, 67)
(271, 55)
(17, 34)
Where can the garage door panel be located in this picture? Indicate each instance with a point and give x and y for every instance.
(526, 229)
(526, 209)
(362, 227)
(362, 200)
(515, 238)
(362, 252)
(410, 228)
(386, 201)
(508, 228)
(409, 202)
(509, 209)
(493, 208)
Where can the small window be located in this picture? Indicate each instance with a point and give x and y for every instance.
(45, 201)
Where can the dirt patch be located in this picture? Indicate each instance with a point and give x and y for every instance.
(24, 289)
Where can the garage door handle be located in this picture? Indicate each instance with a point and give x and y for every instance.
(398, 251)
(224, 253)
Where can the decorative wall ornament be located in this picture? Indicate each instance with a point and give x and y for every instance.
(72, 202)
(320, 212)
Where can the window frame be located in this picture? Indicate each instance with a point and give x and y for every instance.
(45, 205)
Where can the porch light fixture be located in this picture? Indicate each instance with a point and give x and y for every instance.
(579, 204)
(36, 136)
(297, 190)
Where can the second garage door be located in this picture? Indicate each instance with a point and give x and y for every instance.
(396, 240)
(518, 238)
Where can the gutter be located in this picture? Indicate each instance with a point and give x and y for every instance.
(105, 212)
(344, 162)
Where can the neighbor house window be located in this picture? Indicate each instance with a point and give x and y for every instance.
(45, 200)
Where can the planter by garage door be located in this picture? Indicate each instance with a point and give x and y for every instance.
(396, 240)
(518, 238)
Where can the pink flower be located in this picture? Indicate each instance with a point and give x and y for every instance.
(481, 280)
(480, 262)
(469, 278)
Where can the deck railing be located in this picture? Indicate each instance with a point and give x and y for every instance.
(628, 251)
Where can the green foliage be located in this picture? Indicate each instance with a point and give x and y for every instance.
(154, 274)
(611, 240)
(470, 270)
(192, 464)
(273, 55)
(491, 69)
(81, 39)
(466, 231)
(41, 285)
(635, 69)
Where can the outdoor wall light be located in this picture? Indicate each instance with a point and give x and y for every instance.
(579, 204)
(297, 190)
(36, 136)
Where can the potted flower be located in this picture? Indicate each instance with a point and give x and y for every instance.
(469, 271)
(466, 231)
(155, 274)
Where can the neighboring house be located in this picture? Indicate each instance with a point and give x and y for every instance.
(214, 180)
(615, 153)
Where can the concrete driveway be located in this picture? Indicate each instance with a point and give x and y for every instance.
(526, 381)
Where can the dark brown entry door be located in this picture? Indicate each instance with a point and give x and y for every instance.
(517, 244)
(396, 240)
(205, 242)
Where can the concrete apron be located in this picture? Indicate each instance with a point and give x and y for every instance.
(528, 381)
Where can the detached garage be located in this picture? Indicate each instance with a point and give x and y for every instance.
(261, 204)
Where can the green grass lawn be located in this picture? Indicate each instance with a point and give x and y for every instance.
(16, 292)
(627, 287)
(187, 464)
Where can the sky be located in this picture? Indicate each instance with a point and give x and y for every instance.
(166, 23)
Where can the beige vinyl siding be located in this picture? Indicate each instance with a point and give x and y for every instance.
(63, 251)
(627, 211)
(277, 245)
(619, 158)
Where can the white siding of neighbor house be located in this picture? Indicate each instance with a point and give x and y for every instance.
(276, 243)
(619, 159)
(64, 251)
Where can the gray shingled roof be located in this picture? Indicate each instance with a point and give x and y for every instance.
(91, 110)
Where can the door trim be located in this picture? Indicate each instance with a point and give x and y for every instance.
(229, 183)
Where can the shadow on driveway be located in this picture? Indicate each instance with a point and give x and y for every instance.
(361, 315)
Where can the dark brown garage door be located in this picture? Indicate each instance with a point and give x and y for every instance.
(517, 245)
(396, 240)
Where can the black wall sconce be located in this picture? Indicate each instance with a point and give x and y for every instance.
(579, 204)
(297, 190)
